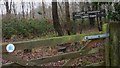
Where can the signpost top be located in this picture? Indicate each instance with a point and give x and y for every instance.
(88, 14)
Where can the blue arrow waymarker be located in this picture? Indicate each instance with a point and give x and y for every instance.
(10, 48)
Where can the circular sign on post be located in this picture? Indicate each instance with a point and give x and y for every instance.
(10, 48)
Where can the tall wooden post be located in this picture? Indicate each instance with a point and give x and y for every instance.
(112, 50)
(106, 30)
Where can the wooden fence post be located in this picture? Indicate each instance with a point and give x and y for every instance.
(107, 47)
(113, 47)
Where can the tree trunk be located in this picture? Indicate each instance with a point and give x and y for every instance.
(62, 12)
(68, 23)
(8, 10)
(14, 9)
(23, 12)
(33, 12)
(92, 20)
(100, 18)
(10, 7)
(7, 7)
(82, 20)
(56, 23)
(30, 11)
(27, 12)
(2, 13)
(43, 8)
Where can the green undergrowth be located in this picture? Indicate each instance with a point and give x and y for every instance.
(26, 28)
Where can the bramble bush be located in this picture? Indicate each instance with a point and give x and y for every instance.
(25, 28)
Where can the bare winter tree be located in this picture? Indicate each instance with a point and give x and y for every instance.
(82, 21)
(2, 13)
(50, 12)
(43, 8)
(61, 11)
(56, 23)
(27, 12)
(30, 9)
(23, 12)
(10, 6)
(33, 11)
(7, 7)
(68, 22)
(14, 9)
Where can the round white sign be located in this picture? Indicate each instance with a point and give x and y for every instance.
(10, 48)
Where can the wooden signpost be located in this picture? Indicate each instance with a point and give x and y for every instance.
(91, 15)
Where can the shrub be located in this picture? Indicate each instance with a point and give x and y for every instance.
(26, 28)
